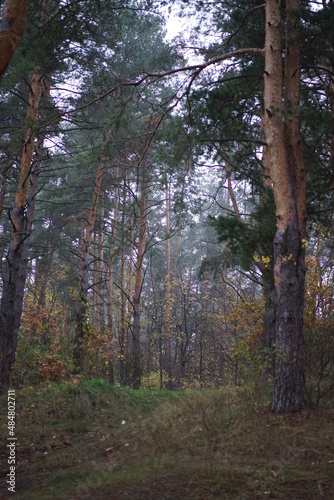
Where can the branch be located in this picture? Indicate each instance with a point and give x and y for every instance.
(152, 77)
(126, 295)
(243, 21)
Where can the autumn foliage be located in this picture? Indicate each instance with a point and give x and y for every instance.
(232, 336)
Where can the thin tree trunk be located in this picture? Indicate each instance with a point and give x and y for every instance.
(224, 324)
(154, 316)
(46, 271)
(230, 189)
(110, 285)
(136, 377)
(111, 259)
(169, 304)
(84, 263)
(101, 266)
(172, 279)
(3, 193)
(6, 230)
(130, 277)
(100, 280)
(122, 340)
(269, 292)
(95, 318)
(129, 313)
(2, 203)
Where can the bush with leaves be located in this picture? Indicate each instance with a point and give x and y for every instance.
(44, 352)
(318, 330)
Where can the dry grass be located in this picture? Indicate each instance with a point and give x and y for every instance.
(193, 444)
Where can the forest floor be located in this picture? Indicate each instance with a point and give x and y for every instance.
(89, 440)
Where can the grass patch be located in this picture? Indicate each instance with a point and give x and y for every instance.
(90, 440)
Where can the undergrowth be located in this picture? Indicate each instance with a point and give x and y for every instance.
(90, 440)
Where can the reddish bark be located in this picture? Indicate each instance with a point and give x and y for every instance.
(17, 256)
(12, 21)
(282, 131)
(84, 262)
(136, 377)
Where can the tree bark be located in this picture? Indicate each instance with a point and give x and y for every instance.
(100, 280)
(95, 280)
(282, 131)
(111, 259)
(122, 340)
(269, 291)
(129, 311)
(136, 376)
(47, 261)
(12, 25)
(33, 191)
(2, 204)
(172, 279)
(84, 263)
(230, 189)
(15, 275)
(169, 304)
(110, 285)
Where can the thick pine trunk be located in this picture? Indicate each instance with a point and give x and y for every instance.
(31, 199)
(17, 257)
(282, 130)
(289, 279)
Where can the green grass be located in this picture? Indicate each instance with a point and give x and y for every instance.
(73, 443)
